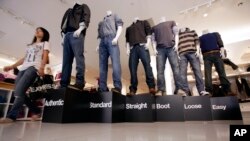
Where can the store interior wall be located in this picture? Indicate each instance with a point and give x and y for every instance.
(19, 18)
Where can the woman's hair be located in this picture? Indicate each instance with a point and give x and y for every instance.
(45, 35)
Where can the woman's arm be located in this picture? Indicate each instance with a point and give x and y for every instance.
(44, 62)
(18, 63)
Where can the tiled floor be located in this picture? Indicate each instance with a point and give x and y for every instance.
(161, 131)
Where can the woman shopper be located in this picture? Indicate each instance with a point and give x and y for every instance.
(33, 65)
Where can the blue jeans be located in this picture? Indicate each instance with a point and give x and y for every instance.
(196, 67)
(215, 59)
(165, 53)
(107, 49)
(73, 47)
(23, 81)
(136, 53)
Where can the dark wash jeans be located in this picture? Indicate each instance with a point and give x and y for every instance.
(136, 53)
(210, 60)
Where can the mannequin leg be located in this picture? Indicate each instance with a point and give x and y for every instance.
(145, 59)
(160, 66)
(196, 67)
(133, 64)
(78, 49)
(103, 65)
(219, 66)
(208, 73)
(174, 63)
(183, 72)
(114, 52)
(68, 57)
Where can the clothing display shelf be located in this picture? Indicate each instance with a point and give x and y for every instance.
(6, 102)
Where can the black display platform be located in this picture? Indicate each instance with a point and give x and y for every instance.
(72, 106)
(169, 108)
(197, 108)
(225, 108)
(107, 107)
(139, 108)
(66, 106)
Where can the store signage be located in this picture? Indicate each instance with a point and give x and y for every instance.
(66, 106)
(93, 105)
(219, 107)
(225, 108)
(137, 106)
(193, 106)
(197, 108)
(106, 107)
(163, 106)
(59, 102)
(169, 108)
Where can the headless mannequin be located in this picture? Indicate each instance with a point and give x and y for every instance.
(82, 26)
(222, 49)
(146, 45)
(198, 51)
(175, 31)
(118, 33)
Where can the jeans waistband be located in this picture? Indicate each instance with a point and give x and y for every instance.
(139, 45)
(212, 52)
(108, 36)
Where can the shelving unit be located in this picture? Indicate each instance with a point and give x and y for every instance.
(6, 101)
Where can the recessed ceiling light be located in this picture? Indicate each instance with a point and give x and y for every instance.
(205, 15)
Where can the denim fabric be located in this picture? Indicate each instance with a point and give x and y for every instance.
(137, 53)
(73, 47)
(23, 81)
(106, 49)
(165, 53)
(196, 67)
(209, 61)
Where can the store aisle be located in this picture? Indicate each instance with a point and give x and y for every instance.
(167, 131)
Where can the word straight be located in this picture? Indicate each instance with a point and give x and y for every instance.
(137, 106)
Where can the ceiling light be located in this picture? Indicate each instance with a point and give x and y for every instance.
(205, 15)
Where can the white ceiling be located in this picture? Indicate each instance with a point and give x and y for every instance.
(224, 16)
